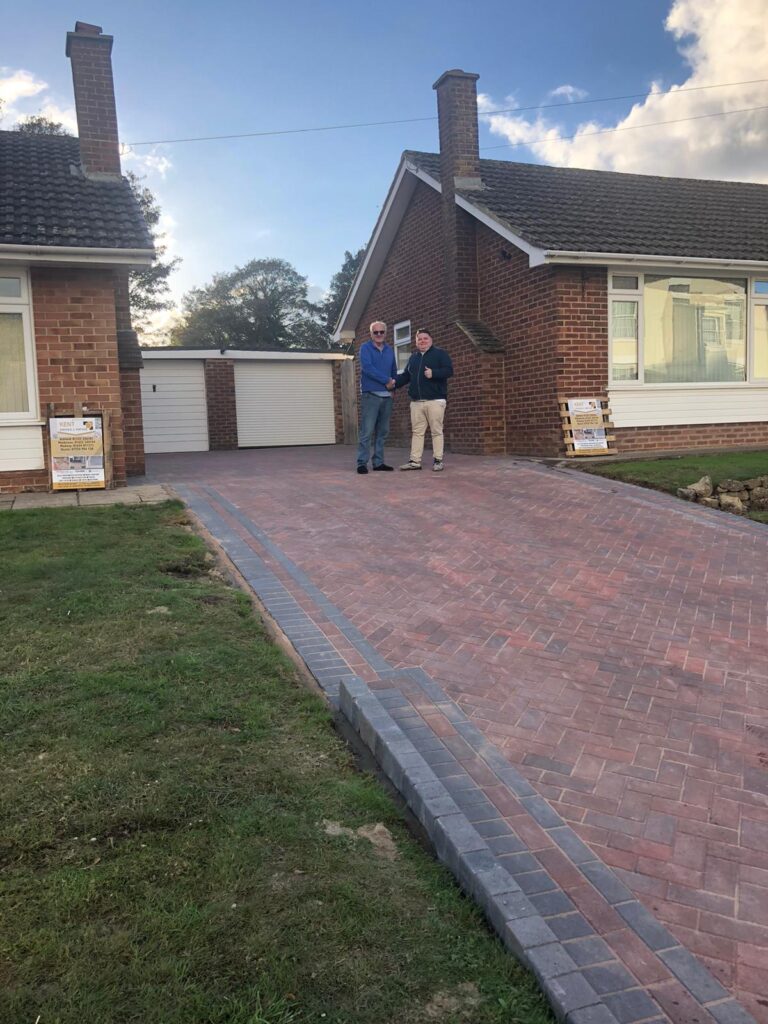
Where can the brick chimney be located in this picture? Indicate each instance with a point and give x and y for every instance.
(459, 169)
(90, 53)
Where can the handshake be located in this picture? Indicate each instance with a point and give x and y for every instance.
(391, 384)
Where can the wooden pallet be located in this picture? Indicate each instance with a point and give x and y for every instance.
(568, 427)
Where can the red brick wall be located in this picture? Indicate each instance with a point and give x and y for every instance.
(25, 480)
(222, 407)
(692, 437)
(410, 288)
(76, 342)
(337, 414)
(133, 422)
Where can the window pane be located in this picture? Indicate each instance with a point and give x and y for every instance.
(10, 287)
(761, 287)
(13, 374)
(695, 330)
(624, 340)
(761, 342)
(403, 332)
(402, 353)
(625, 283)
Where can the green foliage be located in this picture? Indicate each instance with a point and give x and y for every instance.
(37, 124)
(262, 305)
(341, 283)
(148, 289)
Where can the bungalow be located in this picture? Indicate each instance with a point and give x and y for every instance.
(70, 231)
(548, 282)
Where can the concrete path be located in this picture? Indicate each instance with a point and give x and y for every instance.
(610, 643)
(133, 495)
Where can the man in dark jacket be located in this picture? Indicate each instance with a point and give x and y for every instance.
(427, 376)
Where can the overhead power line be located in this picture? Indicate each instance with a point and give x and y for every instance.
(626, 128)
(413, 120)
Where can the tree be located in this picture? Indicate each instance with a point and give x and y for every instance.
(148, 288)
(38, 124)
(262, 305)
(341, 282)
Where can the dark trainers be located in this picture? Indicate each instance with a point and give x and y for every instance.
(362, 469)
(438, 466)
(411, 465)
(383, 468)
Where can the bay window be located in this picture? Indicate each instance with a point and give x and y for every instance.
(18, 397)
(677, 328)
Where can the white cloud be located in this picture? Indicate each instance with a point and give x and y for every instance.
(721, 41)
(568, 92)
(151, 163)
(24, 95)
(18, 85)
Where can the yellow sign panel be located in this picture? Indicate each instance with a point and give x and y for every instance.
(77, 453)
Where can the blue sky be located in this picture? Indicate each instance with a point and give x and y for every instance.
(188, 69)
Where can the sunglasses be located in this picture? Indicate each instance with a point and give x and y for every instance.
(379, 332)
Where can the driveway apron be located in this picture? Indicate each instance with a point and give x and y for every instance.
(608, 645)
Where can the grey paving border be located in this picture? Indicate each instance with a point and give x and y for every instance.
(583, 980)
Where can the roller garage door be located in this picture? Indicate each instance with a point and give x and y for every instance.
(282, 403)
(174, 407)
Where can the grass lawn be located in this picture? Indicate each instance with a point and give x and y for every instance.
(667, 474)
(164, 784)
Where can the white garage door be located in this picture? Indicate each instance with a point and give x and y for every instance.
(173, 403)
(284, 403)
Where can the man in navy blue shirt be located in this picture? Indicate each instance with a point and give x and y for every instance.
(378, 370)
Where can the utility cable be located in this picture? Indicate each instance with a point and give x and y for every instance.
(413, 120)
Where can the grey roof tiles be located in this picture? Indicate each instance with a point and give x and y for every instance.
(574, 210)
(46, 200)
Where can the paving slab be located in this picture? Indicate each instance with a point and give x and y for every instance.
(601, 651)
(131, 495)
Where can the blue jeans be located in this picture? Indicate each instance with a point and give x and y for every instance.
(375, 414)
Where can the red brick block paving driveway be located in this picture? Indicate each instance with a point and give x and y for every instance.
(612, 642)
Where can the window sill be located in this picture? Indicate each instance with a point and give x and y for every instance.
(703, 385)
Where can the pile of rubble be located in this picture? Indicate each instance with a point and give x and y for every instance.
(737, 496)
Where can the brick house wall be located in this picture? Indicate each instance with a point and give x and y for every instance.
(133, 422)
(76, 351)
(221, 404)
(338, 419)
(410, 287)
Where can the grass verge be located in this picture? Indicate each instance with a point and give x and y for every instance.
(164, 784)
(669, 473)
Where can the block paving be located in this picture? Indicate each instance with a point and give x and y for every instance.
(608, 644)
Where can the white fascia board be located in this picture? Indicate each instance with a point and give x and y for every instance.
(615, 259)
(535, 255)
(50, 255)
(228, 353)
(392, 213)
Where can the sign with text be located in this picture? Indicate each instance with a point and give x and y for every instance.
(586, 415)
(77, 453)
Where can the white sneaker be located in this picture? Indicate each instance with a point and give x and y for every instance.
(411, 465)
(438, 467)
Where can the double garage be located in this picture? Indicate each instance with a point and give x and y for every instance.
(194, 400)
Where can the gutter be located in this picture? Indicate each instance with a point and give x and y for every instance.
(51, 254)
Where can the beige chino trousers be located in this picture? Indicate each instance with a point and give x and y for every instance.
(423, 415)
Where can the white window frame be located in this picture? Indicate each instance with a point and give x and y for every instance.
(755, 300)
(22, 304)
(398, 344)
(627, 295)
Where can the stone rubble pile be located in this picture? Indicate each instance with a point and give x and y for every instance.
(737, 496)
